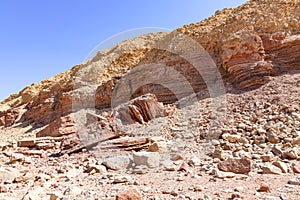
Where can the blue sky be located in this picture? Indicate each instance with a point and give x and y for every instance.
(39, 39)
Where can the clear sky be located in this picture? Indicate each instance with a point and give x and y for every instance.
(39, 39)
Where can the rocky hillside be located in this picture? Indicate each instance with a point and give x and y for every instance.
(166, 116)
(248, 44)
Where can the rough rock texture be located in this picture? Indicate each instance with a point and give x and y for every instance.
(62, 126)
(247, 44)
(141, 109)
(238, 166)
(255, 48)
(131, 194)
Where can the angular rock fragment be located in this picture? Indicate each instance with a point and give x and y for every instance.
(238, 166)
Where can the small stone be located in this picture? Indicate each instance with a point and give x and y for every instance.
(231, 138)
(96, 168)
(267, 158)
(43, 177)
(141, 169)
(117, 162)
(8, 175)
(174, 193)
(261, 131)
(281, 165)
(35, 194)
(222, 175)
(243, 140)
(290, 153)
(236, 196)
(239, 189)
(218, 153)
(176, 157)
(264, 187)
(296, 168)
(195, 161)
(121, 179)
(147, 189)
(198, 188)
(158, 147)
(183, 167)
(25, 177)
(169, 165)
(238, 166)
(131, 194)
(17, 157)
(272, 138)
(277, 151)
(3, 188)
(27, 142)
(150, 159)
(271, 169)
(296, 141)
(45, 146)
(283, 196)
(73, 191)
(207, 197)
(56, 196)
(294, 181)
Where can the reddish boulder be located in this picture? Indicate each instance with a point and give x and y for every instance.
(141, 109)
(238, 166)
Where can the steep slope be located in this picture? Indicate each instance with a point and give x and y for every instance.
(248, 45)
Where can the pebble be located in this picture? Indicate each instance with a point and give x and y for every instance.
(141, 169)
(96, 168)
(264, 187)
(73, 191)
(296, 168)
(222, 175)
(195, 161)
(294, 181)
(56, 196)
(3, 188)
(168, 165)
(239, 189)
(17, 157)
(121, 179)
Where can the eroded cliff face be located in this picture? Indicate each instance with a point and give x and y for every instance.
(248, 44)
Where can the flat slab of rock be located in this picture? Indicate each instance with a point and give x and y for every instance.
(271, 169)
(238, 166)
(149, 159)
(117, 162)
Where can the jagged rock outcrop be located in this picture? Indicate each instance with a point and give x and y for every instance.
(248, 44)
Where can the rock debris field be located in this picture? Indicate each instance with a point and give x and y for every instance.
(242, 144)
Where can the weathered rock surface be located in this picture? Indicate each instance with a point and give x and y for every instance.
(238, 166)
(149, 159)
(260, 133)
(117, 162)
(247, 46)
(131, 194)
